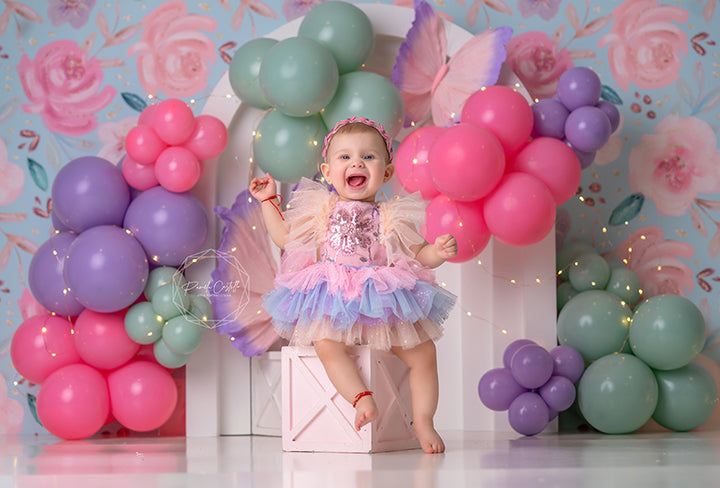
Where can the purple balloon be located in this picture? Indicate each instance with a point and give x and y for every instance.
(106, 268)
(567, 362)
(528, 414)
(45, 276)
(88, 192)
(549, 119)
(57, 223)
(497, 389)
(587, 128)
(613, 114)
(531, 366)
(512, 348)
(558, 393)
(586, 158)
(169, 225)
(579, 87)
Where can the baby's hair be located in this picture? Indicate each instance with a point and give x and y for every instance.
(359, 128)
(359, 125)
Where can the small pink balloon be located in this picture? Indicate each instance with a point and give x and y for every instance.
(504, 112)
(521, 210)
(41, 345)
(147, 116)
(173, 121)
(143, 144)
(464, 220)
(139, 176)
(73, 402)
(466, 162)
(177, 169)
(411, 161)
(143, 395)
(101, 340)
(552, 162)
(208, 139)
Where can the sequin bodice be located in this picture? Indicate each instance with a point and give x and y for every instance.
(353, 235)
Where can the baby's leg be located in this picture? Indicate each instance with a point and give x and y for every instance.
(424, 388)
(345, 377)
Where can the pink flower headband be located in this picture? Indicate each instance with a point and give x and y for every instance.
(362, 120)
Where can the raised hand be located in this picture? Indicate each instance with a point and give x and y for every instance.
(262, 188)
(446, 246)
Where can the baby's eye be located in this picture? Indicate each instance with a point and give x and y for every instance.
(369, 156)
(345, 156)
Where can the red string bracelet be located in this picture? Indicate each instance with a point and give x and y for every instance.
(276, 207)
(360, 395)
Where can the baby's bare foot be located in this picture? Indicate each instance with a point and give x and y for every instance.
(365, 411)
(430, 440)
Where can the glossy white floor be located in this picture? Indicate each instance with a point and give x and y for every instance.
(472, 460)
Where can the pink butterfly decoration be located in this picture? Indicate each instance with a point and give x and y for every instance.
(432, 84)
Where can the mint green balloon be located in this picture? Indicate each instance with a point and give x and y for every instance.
(624, 284)
(200, 309)
(168, 358)
(298, 76)
(162, 276)
(564, 293)
(343, 29)
(568, 254)
(687, 397)
(170, 301)
(595, 323)
(244, 71)
(182, 334)
(589, 272)
(667, 331)
(289, 147)
(142, 324)
(617, 394)
(369, 95)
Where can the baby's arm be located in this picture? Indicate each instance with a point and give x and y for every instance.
(265, 190)
(433, 255)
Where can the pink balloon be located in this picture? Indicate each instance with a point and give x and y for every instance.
(504, 112)
(209, 137)
(143, 395)
(143, 144)
(101, 340)
(139, 176)
(466, 162)
(411, 161)
(173, 121)
(464, 220)
(177, 169)
(41, 345)
(73, 402)
(552, 162)
(521, 211)
(147, 116)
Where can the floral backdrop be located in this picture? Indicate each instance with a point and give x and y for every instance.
(78, 72)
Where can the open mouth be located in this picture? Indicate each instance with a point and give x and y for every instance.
(356, 181)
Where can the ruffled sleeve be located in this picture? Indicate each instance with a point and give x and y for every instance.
(307, 216)
(400, 218)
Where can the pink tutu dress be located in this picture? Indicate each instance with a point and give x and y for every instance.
(348, 274)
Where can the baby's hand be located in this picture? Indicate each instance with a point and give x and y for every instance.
(446, 246)
(262, 188)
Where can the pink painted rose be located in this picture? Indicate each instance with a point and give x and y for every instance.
(112, 135)
(644, 45)
(675, 164)
(656, 262)
(173, 55)
(12, 178)
(62, 84)
(11, 412)
(538, 61)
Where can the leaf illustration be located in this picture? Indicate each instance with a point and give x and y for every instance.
(12, 217)
(237, 18)
(709, 10)
(572, 16)
(38, 174)
(4, 21)
(33, 409)
(262, 9)
(699, 74)
(698, 221)
(472, 14)
(499, 6)
(52, 153)
(9, 108)
(709, 101)
(705, 273)
(5, 254)
(610, 95)
(102, 24)
(714, 246)
(628, 209)
(25, 243)
(89, 41)
(595, 26)
(135, 102)
(124, 35)
(25, 11)
(685, 92)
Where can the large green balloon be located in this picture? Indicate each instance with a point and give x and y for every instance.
(366, 94)
(595, 323)
(182, 335)
(617, 394)
(170, 301)
(667, 331)
(289, 147)
(589, 272)
(168, 358)
(142, 324)
(162, 276)
(244, 71)
(565, 292)
(568, 254)
(298, 76)
(343, 29)
(624, 284)
(687, 397)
